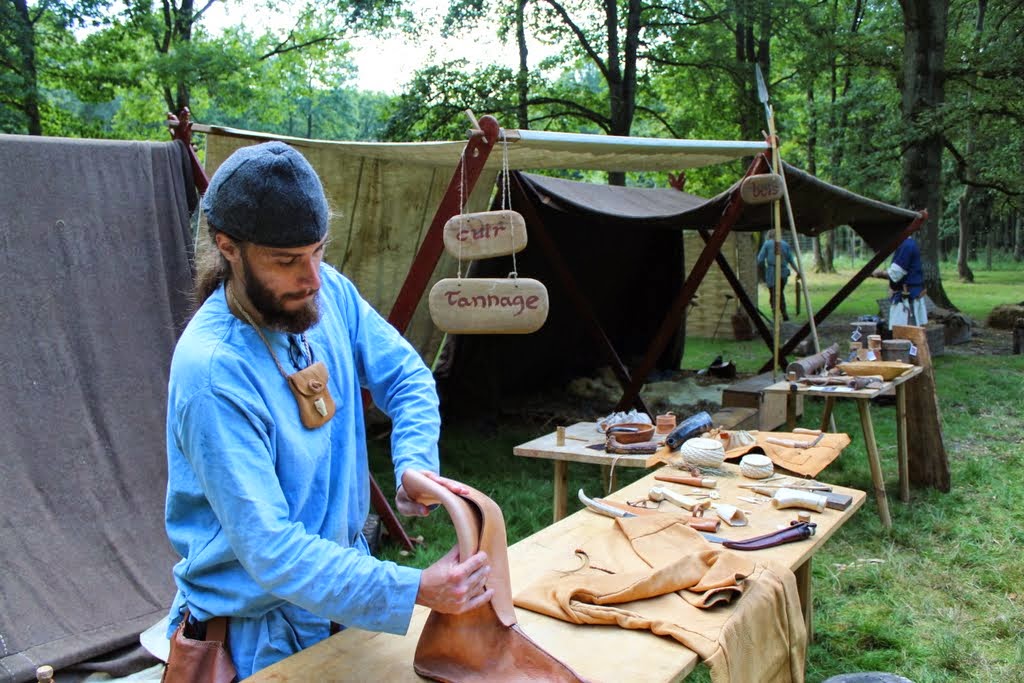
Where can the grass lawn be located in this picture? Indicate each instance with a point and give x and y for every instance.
(939, 597)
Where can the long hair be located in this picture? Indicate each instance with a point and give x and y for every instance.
(212, 269)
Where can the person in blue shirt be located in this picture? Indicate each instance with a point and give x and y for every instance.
(766, 261)
(906, 285)
(268, 482)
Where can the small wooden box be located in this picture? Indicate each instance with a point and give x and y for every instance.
(771, 408)
(735, 417)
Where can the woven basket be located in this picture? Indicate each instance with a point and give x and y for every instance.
(756, 466)
(701, 452)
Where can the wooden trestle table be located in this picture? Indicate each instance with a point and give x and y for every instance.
(863, 398)
(598, 653)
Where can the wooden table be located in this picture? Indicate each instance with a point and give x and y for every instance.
(863, 398)
(598, 653)
(575, 449)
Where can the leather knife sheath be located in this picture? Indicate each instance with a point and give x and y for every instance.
(797, 531)
(486, 643)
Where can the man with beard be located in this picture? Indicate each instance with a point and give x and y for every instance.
(268, 481)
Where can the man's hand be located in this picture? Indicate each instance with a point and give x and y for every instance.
(454, 587)
(407, 506)
(881, 273)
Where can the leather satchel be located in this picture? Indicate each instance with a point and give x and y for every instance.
(194, 660)
(486, 643)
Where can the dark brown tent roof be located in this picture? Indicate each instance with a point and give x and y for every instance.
(817, 207)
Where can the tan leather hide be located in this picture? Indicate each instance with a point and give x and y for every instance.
(484, 644)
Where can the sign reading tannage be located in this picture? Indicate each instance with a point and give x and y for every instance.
(485, 234)
(489, 305)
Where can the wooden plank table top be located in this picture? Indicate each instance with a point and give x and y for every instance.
(598, 653)
(838, 391)
(863, 398)
(578, 438)
(576, 448)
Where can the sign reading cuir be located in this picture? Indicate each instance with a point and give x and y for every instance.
(483, 235)
(761, 189)
(489, 305)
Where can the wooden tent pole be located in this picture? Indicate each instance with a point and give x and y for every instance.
(852, 284)
(467, 173)
(180, 126)
(700, 268)
(777, 220)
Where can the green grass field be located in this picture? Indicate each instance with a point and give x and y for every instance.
(939, 597)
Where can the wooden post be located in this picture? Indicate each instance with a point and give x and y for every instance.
(561, 492)
(927, 465)
(901, 441)
(874, 462)
(1018, 336)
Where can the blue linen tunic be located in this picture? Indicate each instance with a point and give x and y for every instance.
(766, 259)
(268, 515)
(909, 272)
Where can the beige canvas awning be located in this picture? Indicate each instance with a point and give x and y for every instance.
(384, 194)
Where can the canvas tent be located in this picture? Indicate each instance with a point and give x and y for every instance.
(621, 247)
(95, 272)
(383, 194)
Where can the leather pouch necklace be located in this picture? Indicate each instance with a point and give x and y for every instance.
(308, 386)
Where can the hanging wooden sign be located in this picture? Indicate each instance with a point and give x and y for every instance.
(485, 234)
(762, 188)
(489, 305)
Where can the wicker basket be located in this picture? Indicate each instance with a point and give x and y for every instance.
(701, 452)
(756, 466)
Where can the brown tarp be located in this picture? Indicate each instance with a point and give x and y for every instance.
(95, 274)
(624, 248)
(817, 207)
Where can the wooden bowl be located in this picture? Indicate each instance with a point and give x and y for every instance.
(888, 370)
(631, 432)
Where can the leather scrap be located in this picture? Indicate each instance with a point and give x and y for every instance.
(806, 461)
(741, 617)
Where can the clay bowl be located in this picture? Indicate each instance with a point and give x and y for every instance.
(631, 432)
(888, 370)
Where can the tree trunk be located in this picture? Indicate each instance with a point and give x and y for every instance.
(924, 48)
(967, 203)
(1018, 239)
(28, 71)
(622, 72)
(963, 212)
(751, 50)
(522, 76)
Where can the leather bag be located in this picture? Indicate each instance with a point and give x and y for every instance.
(200, 661)
(486, 643)
(309, 386)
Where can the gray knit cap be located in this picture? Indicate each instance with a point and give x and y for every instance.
(267, 194)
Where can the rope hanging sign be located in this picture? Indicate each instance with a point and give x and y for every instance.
(511, 305)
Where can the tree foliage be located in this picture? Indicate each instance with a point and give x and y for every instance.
(842, 78)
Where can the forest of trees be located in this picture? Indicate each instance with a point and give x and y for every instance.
(914, 102)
